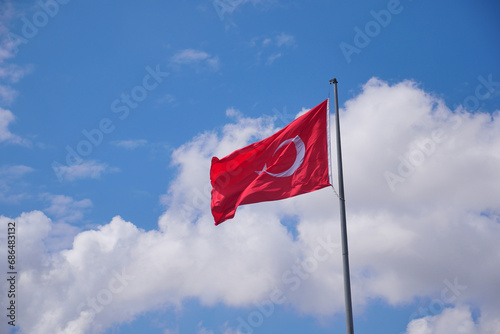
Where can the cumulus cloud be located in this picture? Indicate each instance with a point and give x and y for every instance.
(433, 234)
(452, 321)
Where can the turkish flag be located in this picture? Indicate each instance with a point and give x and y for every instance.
(293, 161)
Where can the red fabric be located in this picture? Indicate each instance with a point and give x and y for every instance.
(240, 178)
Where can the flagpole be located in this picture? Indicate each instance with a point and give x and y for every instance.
(343, 225)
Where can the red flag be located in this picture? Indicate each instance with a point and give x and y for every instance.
(293, 161)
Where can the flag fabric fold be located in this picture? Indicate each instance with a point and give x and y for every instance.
(293, 161)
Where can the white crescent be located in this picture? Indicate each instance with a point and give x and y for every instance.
(301, 151)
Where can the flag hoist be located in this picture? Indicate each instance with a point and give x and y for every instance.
(293, 161)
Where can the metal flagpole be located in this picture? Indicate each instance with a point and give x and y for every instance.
(343, 226)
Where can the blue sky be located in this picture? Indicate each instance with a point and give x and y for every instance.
(111, 111)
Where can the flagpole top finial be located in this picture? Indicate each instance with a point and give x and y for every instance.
(334, 81)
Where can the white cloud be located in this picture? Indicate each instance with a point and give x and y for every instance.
(232, 112)
(7, 94)
(6, 118)
(284, 39)
(272, 48)
(171, 331)
(197, 58)
(189, 56)
(7, 48)
(15, 171)
(14, 73)
(130, 144)
(453, 321)
(65, 208)
(417, 240)
(277, 41)
(11, 185)
(270, 60)
(90, 169)
(203, 330)
(225, 8)
(266, 41)
(9, 73)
